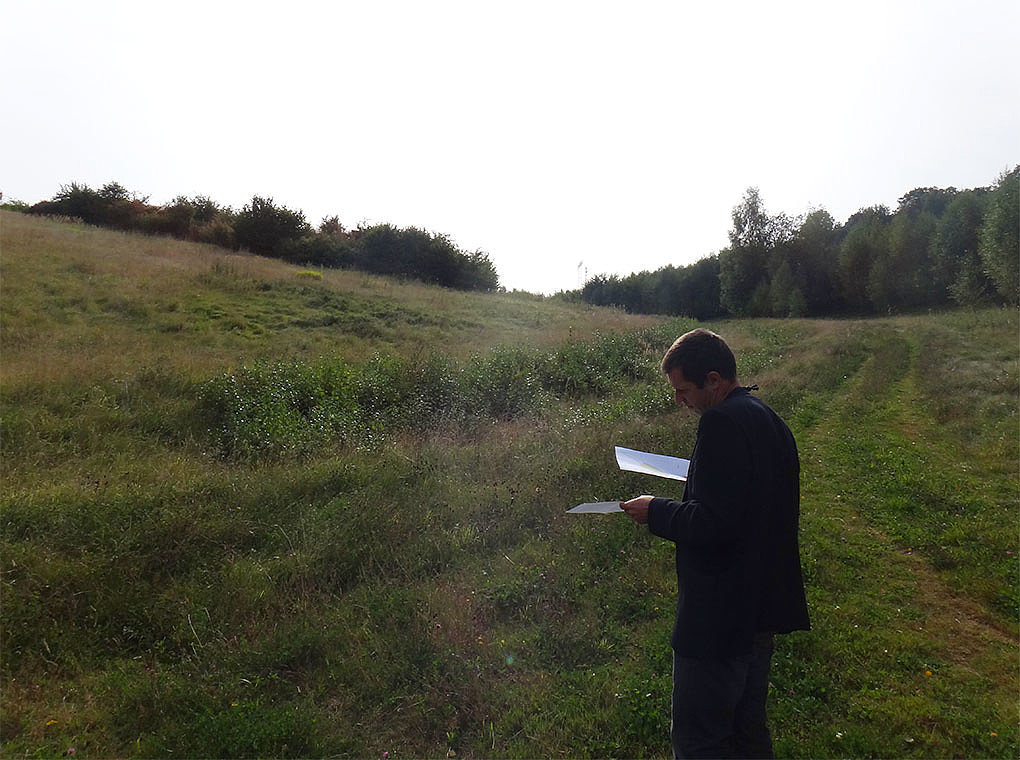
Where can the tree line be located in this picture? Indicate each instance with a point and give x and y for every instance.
(940, 247)
(269, 229)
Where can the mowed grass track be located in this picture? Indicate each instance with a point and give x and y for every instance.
(422, 591)
(910, 525)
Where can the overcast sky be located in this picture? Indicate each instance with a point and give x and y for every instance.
(547, 134)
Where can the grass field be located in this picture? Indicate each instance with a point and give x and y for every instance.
(249, 511)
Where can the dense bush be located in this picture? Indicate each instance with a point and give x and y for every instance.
(14, 204)
(293, 408)
(319, 250)
(267, 229)
(186, 218)
(110, 206)
(415, 253)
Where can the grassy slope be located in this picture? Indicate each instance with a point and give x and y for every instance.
(75, 295)
(426, 592)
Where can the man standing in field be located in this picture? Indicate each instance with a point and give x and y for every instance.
(738, 569)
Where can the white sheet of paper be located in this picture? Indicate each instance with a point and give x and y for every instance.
(652, 464)
(601, 507)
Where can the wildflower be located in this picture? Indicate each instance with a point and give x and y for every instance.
(386, 755)
(839, 734)
(51, 722)
(927, 672)
(71, 751)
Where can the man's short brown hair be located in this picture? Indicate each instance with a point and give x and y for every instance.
(699, 352)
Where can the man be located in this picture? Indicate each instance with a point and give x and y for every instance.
(737, 558)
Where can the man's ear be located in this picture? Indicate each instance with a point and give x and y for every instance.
(712, 379)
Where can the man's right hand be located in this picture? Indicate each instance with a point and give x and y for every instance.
(637, 508)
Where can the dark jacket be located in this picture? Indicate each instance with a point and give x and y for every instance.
(737, 556)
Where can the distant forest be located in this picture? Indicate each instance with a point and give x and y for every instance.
(940, 247)
(266, 228)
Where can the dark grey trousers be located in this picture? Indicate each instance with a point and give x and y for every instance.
(719, 705)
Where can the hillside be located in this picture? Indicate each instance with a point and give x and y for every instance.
(75, 296)
(253, 512)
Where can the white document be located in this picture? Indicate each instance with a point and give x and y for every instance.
(652, 464)
(638, 461)
(601, 507)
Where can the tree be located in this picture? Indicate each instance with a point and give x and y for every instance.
(932, 200)
(699, 290)
(999, 237)
(956, 264)
(331, 226)
(744, 266)
(786, 299)
(906, 279)
(864, 245)
(813, 256)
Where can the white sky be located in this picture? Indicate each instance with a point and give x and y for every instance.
(544, 133)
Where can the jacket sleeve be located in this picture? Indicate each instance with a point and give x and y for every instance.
(712, 511)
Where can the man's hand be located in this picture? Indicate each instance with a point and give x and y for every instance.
(637, 508)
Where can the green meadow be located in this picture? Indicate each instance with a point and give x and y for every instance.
(250, 509)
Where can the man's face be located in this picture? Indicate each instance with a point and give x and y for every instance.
(687, 393)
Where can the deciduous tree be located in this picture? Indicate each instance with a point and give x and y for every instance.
(999, 237)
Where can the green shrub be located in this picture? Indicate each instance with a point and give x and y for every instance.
(317, 250)
(502, 385)
(581, 368)
(15, 205)
(275, 409)
(264, 228)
